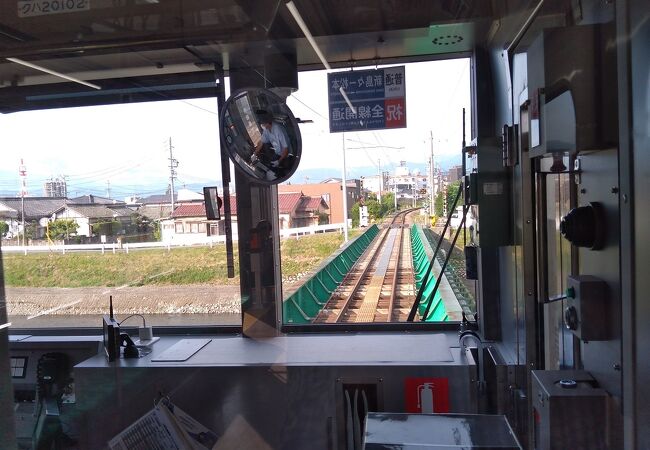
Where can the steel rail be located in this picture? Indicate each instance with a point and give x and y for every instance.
(391, 302)
(370, 256)
(373, 258)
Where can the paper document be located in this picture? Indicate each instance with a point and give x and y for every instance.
(166, 427)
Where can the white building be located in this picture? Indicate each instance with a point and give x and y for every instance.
(55, 187)
(407, 185)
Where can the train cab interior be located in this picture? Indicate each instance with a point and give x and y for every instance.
(555, 162)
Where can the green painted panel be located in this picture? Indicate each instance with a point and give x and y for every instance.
(305, 303)
(421, 262)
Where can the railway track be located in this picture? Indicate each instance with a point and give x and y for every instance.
(381, 286)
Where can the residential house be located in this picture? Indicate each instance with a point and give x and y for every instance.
(188, 222)
(298, 210)
(116, 218)
(37, 212)
(331, 191)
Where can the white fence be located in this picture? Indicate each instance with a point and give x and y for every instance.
(185, 241)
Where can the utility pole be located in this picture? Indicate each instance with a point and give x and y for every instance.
(381, 180)
(108, 189)
(432, 174)
(22, 171)
(173, 164)
(345, 194)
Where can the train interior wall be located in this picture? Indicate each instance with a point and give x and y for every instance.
(523, 333)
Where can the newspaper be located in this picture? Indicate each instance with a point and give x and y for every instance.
(165, 427)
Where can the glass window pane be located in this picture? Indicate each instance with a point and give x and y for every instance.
(100, 219)
(319, 286)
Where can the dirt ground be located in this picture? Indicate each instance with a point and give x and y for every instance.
(176, 299)
(197, 299)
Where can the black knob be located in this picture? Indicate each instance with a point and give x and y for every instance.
(585, 226)
(571, 318)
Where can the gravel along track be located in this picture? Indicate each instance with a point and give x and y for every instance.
(189, 299)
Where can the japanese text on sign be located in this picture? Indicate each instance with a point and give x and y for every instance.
(378, 96)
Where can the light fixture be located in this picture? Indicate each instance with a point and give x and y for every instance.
(52, 72)
(303, 26)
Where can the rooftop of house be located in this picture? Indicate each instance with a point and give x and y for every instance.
(35, 207)
(94, 199)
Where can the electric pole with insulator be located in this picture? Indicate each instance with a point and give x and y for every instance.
(173, 165)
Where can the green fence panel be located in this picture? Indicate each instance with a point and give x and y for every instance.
(421, 262)
(307, 301)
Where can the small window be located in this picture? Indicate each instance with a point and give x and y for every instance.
(201, 228)
(179, 227)
(194, 228)
(18, 366)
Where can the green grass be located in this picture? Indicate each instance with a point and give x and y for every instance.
(304, 254)
(155, 266)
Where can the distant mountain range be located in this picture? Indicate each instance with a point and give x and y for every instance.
(9, 180)
(316, 175)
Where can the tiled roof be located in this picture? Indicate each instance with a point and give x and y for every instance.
(312, 203)
(94, 199)
(121, 209)
(157, 199)
(288, 202)
(190, 210)
(7, 213)
(197, 209)
(155, 211)
(35, 207)
(99, 211)
(233, 205)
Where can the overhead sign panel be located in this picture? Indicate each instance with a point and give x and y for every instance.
(377, 97)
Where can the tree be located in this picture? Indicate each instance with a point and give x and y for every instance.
(387, 203)
(323, 218)
(439, 204)
(139, 225)
(374, 209)
(452, 191)
(156, 231)
(354, 215)
(62, 228)
(108, 228)
(4, 229)
(32, 230)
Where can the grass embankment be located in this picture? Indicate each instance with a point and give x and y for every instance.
(155, 266)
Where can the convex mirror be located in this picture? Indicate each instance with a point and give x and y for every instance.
(261, 135)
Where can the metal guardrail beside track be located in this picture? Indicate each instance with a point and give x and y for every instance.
(421, 262)
(305, 303)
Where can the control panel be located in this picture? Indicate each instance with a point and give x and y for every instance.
(586, 314)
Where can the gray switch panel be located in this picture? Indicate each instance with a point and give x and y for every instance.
(587, 309)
